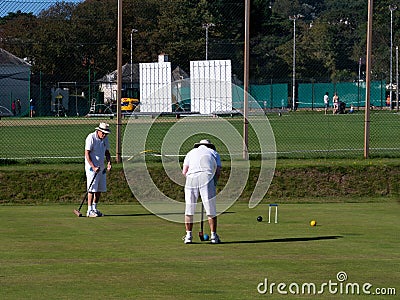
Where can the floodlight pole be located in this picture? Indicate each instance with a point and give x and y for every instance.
(294, 18)
(206, 27)
(132, 31)
(392, 7)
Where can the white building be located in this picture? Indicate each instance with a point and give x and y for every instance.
(14, 81)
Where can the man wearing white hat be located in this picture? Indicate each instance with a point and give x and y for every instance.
(202, 168)
(97, 148)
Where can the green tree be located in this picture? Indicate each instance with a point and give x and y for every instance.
(16, 34)
(142, 16)
(67, 39)
(180, 33)
(53, 48)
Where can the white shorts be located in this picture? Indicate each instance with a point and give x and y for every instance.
(200, 184)
(99, 184)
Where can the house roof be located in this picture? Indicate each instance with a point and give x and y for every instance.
(6, 58)
(177, 74)
(128, 70)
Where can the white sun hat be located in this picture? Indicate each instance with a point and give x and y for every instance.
(205, 143)
(104, 127)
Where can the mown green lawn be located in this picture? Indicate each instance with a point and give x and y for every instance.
(46, 252)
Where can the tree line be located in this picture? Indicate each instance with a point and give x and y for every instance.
(68, 41)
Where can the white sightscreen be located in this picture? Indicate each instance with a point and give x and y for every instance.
(155, 87)
(211, 86)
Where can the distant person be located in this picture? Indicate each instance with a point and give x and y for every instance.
(97, 148)
(13, 108)
(32, 107)
(326, 102)
(335, 103)
(351, 109)
(202, 168)
(18, 107)
(342, 107)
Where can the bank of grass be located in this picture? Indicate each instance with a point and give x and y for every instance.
(294, 181)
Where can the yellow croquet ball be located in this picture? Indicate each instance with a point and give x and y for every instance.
(313, 223)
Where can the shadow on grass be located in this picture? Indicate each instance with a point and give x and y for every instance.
(284, 240)
(150, 214)
(287, 240)
(128, 215)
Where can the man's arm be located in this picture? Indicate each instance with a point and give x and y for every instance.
(185, 169)
(108, 158)
(217, 172)
(216, 175)
(89, 160)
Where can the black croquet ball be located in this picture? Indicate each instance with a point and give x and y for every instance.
(259, 219)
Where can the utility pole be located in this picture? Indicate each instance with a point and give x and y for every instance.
(207, 27)
(132, 31)
(119, 82)
(294, 18)
(246, 80)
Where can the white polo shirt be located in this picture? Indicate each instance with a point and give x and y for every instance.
(202, 159)
(97, 148)
(326, 99)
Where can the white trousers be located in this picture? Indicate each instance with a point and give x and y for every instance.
(99, 184)
(200, 184)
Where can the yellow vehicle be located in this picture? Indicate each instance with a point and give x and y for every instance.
(129, 104)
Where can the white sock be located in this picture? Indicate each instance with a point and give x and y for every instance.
(213, 234)
(94, 206)
(89, 207)
(188, 233)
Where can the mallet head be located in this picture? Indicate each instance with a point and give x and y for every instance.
(78, 213)
(201, 235)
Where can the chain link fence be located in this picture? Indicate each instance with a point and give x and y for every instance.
(58, 72)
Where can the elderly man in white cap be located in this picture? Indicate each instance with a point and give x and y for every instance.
(202, 168)
(97, 148)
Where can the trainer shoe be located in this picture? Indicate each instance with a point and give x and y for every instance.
(215, 239)
(91, 214)
(98, 213)
(187, 239)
